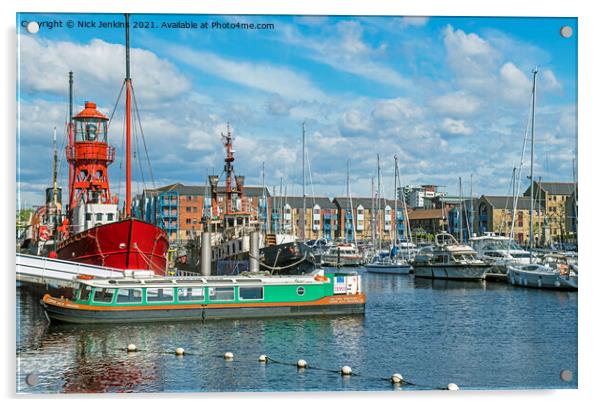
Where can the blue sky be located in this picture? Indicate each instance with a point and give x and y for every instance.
(449, 96)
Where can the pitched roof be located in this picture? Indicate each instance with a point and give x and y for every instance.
(344, 202)
(420, 214)
(506, 202)
(557, 188)
(310, 201)
(205, 189)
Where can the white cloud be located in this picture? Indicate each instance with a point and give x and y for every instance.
(98, 67)
(549, 81)
(354, 121)
(514, 86)
(262, 76)
(471, 58)
(456, 127)
(458, 103)
(344, 49)
(395, 110)
(414, 21)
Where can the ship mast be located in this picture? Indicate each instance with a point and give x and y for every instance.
(532, 155)
(302, 220)
(71, 141)
(128, 121)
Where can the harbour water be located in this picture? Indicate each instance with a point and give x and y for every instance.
(479, 335)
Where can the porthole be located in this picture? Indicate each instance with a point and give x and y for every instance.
(300, 290)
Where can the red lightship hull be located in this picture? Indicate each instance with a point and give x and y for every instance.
(127, 244)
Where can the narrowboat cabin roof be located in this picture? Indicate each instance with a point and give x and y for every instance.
(201, 281)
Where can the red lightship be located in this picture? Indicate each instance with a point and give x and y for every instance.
(95, 233)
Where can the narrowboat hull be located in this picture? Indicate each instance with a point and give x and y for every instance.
(60, 310)
(126, 244)
(451, 272)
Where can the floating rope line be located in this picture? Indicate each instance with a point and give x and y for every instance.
(396, 379)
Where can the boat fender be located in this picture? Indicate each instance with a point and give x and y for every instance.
(301, 364)
(397, 378)
(556, 283)
(131, 348)
(180, 351)
(319, 277)
(84, 277)
(539, 282)
(228, 356)
(346, 371)
(263, 358)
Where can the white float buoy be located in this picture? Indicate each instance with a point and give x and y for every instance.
(132, 347)
(452, 387)
(301, 363)
(228, 356)
(263, 358)
(397, 378)
(346, 371)
(179, 351)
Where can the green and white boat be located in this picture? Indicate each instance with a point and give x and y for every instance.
(212, 297)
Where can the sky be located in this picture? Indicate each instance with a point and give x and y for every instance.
(450, 97)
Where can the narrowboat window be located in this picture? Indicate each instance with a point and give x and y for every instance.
(159, 294)
(250, 293)
(300, 290)
(191, 294)
(110, 217)
(88, 216)
(99, 217)
(221, 293)
(84, 292)
(104, 295)
(129, 295)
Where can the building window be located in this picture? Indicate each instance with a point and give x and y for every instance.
(99, 217)
(110, 217)
(188, 221)
(88, 216)
(188, 209)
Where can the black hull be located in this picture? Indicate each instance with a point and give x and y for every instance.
(287, 259)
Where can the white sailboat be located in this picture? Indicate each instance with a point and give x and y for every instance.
(385, 262)
(539, 275)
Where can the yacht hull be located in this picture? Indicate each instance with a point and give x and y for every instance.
(451, 272)
(389, 268)
(550, 281)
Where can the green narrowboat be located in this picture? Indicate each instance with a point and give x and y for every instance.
(212, 297)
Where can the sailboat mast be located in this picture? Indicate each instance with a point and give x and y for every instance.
(302, 221)
(128, 121)
(532, 156)
(378, 206)
(395, 204)
(460, 234)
